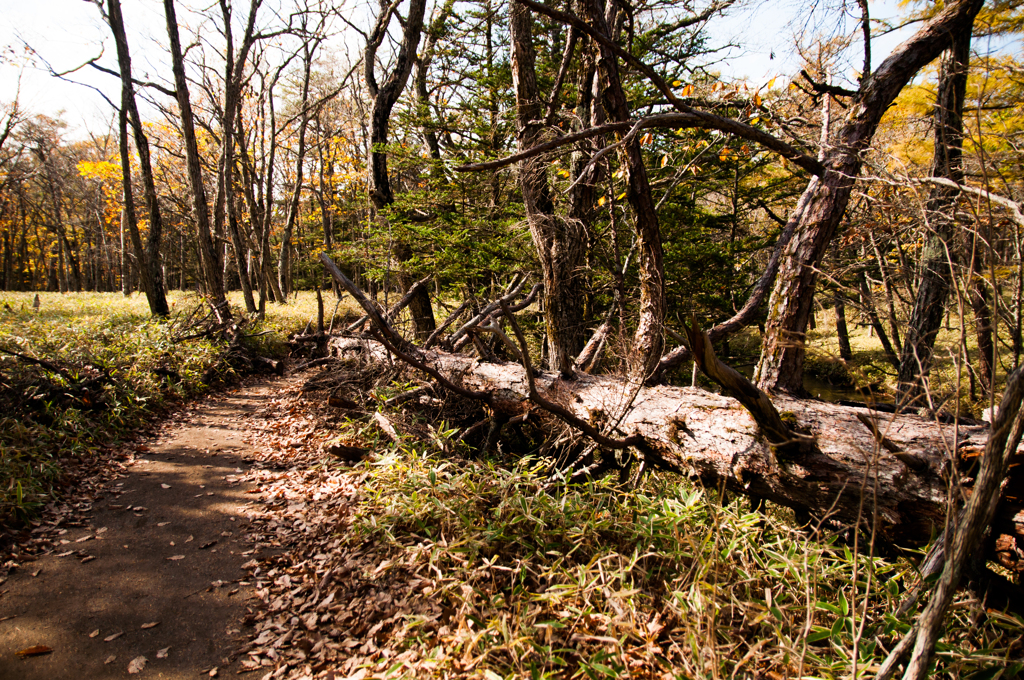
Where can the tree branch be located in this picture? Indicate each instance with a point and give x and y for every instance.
(672, 120)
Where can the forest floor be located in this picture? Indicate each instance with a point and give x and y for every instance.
(228, 538)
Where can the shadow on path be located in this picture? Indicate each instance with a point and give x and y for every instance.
(164, 544)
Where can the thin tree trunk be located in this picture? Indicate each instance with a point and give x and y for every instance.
(845, 353)
(151, 272)
(209, 253)
(939, 253)
(648, 339)
(284, 262)
(868, 306)
(385, 95)
(559, 245)
(978, 294)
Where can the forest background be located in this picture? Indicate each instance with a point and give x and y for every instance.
(299, 108)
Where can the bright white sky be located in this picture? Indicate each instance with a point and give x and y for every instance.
(67, 33)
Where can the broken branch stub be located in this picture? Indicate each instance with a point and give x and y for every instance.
(756, 401)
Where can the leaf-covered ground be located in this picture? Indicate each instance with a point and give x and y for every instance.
(422, 561)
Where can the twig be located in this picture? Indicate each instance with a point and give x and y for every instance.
(447, 322)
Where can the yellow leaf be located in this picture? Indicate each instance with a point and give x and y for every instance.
(757, 100)
(563, 173)
(620, 196)
(601, 201)
(647, 138)
(676, 83)
(688, 90)
(664, 161)
(770, 83)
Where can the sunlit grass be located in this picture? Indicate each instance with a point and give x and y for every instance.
(949, 377)
(594, 581)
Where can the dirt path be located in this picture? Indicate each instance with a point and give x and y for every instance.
(162, 543)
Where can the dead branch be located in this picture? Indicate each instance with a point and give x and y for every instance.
(756, 401)
(444, 326)
(392, 313)
(460, 338)
(382, 325)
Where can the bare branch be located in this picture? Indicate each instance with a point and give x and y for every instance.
(672, 120)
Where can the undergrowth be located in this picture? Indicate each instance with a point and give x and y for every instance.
(93, 367)
(595, 581)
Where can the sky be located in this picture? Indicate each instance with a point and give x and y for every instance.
(67, 33)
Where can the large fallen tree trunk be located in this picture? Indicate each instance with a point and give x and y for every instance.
(866, 465)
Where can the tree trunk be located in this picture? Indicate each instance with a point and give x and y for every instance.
(845, 353)
(284, 262)
(648, 339)
(560, 246)
(865, 465)
(208, 251)
(225, 205)
(385, 96)
(128, 217)
(867, 305)
(978, 293)
(825, 199)
(939, 253)
(150, 269)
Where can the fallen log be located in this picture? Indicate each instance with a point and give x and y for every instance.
(851, 476)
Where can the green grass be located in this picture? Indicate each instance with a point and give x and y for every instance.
(120, 368)
(594, 581)
(949, 378)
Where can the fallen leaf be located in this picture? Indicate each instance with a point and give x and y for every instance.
(162, 653)
(35, 650)
(137, 664)
(111, 638)
(176, 557)
(204, 546)
(95, 633)
(154, 624)
(190, 539)
(65, 554)
(88, 558)
(162, 524)
(165, 486)
(110, 659)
